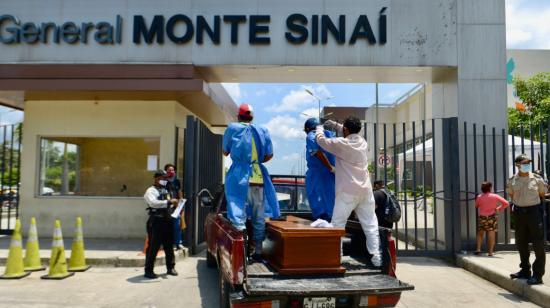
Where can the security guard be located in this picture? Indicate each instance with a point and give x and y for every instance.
(159, 225)
(526, 190)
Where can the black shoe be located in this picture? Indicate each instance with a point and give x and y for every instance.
(257, 258)
(534, 280)
(150, 275)
(521, 275)
(172, 272)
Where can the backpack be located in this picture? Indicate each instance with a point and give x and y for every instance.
(392, 212)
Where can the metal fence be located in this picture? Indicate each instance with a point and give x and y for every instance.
(436, 167)
(10, 166)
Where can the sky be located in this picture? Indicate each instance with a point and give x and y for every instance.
(282, 108)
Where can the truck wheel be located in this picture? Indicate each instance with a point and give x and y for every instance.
(210, 260)
(224, 291)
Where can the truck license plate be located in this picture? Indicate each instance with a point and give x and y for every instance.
(320, 302)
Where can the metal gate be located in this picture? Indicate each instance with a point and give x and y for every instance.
(436, 167)
(416, 160)
(203, 169)
(10, 166)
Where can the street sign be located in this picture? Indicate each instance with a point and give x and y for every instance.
(382, 158)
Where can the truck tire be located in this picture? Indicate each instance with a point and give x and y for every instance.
(224, 290)
(210, 260)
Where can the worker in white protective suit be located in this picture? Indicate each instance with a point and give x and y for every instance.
(353, 186)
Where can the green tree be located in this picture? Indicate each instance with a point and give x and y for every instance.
(534, 92)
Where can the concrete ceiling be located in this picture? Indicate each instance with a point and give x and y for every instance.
(324, 74)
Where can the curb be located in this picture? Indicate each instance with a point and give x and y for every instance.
(127, 259)
(539, 294)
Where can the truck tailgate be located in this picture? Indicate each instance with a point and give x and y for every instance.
(263, 280)
(352, 284)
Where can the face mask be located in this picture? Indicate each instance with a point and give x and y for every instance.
(170, 174)
(525, 168)
(163, 182)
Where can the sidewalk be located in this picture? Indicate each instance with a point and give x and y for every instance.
(497, 269)
(99, 252)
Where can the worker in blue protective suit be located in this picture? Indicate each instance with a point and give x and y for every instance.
(320, 174)
(248, 187)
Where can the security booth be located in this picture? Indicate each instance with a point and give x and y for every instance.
(94, 135)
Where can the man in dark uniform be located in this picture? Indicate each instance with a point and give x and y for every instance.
(381, 200)
(159, 225)
(526, 189)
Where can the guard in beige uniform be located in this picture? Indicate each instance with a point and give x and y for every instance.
(526, 190)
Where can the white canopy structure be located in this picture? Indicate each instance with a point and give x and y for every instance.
(514, 148)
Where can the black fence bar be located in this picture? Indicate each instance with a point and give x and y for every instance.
(475, 166)
(531, 136)
(414, 186)
(542, 159)
(395, 178)
(385, 155)
(548, 149)
(434, 181)
(484, 154)
(3, 173)
(424, 184)
(405, 184)
(466, 180)
(495, 179)
(513, 149)
(10, 178)
(522, 132)
(375, 152)
(504, 179)
(20, 140)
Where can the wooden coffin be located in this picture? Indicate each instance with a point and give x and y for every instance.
(294, 247)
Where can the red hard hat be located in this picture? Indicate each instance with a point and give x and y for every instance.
(245, 110)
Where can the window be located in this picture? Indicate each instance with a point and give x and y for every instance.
(78, 166)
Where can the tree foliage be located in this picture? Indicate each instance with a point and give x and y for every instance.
(534, 93)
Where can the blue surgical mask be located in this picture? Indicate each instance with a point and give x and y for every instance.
(525, 168)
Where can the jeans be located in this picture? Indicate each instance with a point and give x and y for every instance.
(255, 206)
(177, 231)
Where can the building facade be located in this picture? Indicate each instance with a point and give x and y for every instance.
(97, 76)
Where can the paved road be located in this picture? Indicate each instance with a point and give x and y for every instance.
(437, 284)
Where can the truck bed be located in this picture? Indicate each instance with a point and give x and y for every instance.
(263, 281)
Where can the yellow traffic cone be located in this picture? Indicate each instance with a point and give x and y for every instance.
(14, 266)
(32, 252)
(58, 262)
(77, 262)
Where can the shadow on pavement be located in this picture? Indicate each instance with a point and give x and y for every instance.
(208, 284)
(422, 261)
(140, 279)
(513, 298)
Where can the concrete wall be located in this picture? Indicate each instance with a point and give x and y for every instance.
(106, 217)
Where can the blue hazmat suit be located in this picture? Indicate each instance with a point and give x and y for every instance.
(237, 140)
(320, 182)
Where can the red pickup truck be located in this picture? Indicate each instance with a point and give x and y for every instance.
(242, 284)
